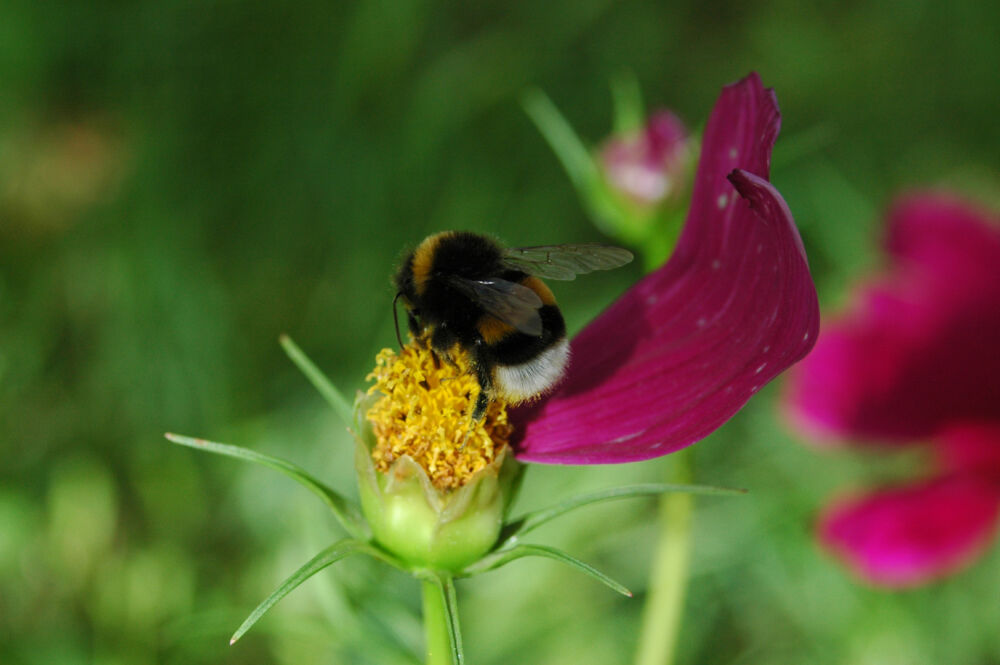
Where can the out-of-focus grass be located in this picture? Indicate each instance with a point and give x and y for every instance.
(182, 182)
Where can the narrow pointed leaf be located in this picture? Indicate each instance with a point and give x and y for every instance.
(330, 555)
(345, 511)
(630, 112)
(316, 377)
(575, 158)
(533, 520)
(502, 558)
(561, 138)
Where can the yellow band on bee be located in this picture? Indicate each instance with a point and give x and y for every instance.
(541, 288)
(423, 261)
(493, 329)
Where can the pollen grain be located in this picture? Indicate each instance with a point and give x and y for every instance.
(424, 412)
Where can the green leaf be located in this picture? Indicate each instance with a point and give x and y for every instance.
(330, 555)
(332, 396)
(630, 112)
(576, 160)
(522, 525)
(345, 511)
(561, 137)
(503, 557)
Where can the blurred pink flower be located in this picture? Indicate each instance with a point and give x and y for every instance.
(914, 360)
(651, 164)
(684, 349)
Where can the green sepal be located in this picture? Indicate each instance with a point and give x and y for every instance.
(346, 512)
(427, 528)
(505, 556)
(328, 556)
(530, 521)
(325, 387)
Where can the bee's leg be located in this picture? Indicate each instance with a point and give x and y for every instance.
(482, 403)
(484, 377)
(482, 400)
(480, 366)
(442, 339)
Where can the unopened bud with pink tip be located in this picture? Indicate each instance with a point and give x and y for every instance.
(652, 164)
(636, 184)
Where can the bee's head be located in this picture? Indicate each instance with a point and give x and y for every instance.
(403, 280)
(395, 319)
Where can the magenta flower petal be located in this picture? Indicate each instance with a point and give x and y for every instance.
(918, 350)
(686, 347)
(908, 536)
(941, 239)
(972, 448)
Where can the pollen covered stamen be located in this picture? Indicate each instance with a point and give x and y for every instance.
(424, 412)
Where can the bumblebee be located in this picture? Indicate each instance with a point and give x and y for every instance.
(466, 290)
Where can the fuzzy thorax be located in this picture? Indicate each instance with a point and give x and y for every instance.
(424, 413)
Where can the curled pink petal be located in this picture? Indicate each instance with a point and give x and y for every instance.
(686, 347)
(918, 350)
(908, 536)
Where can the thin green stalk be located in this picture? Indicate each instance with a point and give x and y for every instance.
(661, 621)
(436, 632)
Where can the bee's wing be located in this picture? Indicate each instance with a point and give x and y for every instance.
(565, 261)
(514, 304)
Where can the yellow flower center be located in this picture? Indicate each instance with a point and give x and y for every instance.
(425, 412)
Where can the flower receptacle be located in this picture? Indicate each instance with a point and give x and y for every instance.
(430, 528)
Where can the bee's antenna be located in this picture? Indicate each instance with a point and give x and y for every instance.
(395, 319)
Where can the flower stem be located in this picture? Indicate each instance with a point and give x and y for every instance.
(436, 625)
(668, 579)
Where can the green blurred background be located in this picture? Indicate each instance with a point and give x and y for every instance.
(181, 182)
